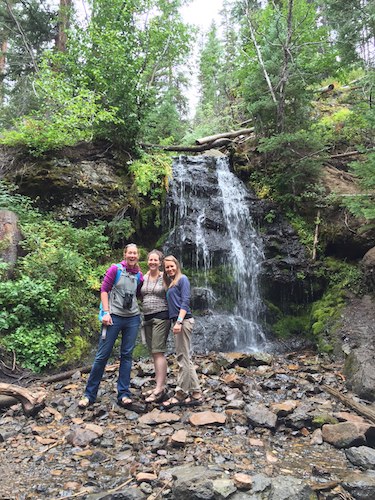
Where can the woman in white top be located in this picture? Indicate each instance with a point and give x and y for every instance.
(157, 323)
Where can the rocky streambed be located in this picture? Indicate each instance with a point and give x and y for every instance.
(269, 429)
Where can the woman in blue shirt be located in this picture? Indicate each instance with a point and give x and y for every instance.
(188, 391)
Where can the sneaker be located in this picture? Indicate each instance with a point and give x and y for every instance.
(84, 403)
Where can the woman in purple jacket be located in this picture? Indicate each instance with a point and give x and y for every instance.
(121, 313)
(188, 391)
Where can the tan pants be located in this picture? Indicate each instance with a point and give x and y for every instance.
(187, 379)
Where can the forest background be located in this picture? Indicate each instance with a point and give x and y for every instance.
(300, 72)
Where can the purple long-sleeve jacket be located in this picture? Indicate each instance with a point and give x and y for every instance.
(110, 276)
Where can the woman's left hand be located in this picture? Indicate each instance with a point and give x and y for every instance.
(177, 328)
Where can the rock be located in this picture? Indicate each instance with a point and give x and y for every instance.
(193, 483)
(242, 481)
(316, 437)
(360, 369)
(368, 267)
(80, 437)
(95, 428)
(124, 494)
(344, 416)
(345, 434)
(285, 408)
(291, 488)
(360, 486)
(156, 417)
(260, 416)
(363, 457)
(223, 488)
(207, 417)
(179, 438)
(10, 236)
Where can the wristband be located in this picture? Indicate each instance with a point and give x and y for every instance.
(105, 312)
(179, 320)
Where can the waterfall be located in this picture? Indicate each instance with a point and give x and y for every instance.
(244, 259)
(212, 234)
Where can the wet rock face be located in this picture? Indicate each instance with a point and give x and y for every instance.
(368, 267)
(355, 334)
(79, 184)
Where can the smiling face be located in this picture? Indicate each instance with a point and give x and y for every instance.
(153, 262)
(131, 255)
(170, 268)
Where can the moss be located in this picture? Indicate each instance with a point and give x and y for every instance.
(324, 418)
(292, 325)
(78, 348)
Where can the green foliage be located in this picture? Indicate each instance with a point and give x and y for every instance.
(289, 326)
(290, 171)
(112, 74)
(66, 115)
(363, 205)
(326, 311)
(303, 228)
(52, 300)
(152, 173)
(37, 347)
(121, 228)
(295, 53)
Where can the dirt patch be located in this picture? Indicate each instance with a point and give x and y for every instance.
(340, 182)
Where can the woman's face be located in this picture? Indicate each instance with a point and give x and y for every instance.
(170, 268)
(131, 256)
(153, 261)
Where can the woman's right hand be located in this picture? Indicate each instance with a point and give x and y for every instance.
(107, 320)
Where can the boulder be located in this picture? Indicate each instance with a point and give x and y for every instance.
(10, 236)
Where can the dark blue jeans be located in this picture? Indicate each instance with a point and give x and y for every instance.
(129, 328)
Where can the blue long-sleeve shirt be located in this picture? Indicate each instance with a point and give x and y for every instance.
(178, 297)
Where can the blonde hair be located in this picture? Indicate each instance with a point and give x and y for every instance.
(167, 280)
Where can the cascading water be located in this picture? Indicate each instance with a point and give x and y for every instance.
(212, 234)
(244, 261)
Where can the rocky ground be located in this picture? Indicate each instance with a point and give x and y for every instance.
(268, 430)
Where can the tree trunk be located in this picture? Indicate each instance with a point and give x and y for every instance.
(31, 403)
(4, 48)
(189, 149)
(63, 24)
(259, 55)
(225, 135)
(284, 76)
(359, 408)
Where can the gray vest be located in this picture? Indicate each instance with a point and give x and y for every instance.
(122, 297)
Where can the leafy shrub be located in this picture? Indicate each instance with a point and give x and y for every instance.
(36, 347)
(291, 325)
(53, 297)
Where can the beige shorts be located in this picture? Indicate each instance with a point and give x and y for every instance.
(156, 332)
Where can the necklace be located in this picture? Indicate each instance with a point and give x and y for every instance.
(148, 289)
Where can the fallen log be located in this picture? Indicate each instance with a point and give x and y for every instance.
(64, 375)
(359, 408)
(189, 149)
(226, 135)
(31, 403)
